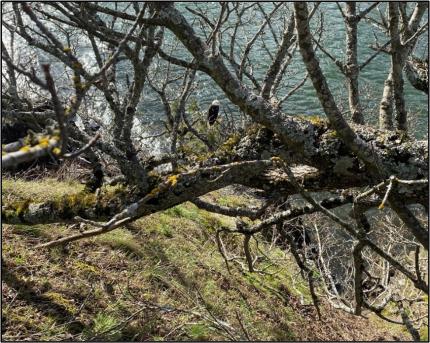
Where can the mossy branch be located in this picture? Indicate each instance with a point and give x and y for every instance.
(174, 190)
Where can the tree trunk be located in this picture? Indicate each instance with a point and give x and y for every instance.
(386, 105)
(398, 57)
(351, 67)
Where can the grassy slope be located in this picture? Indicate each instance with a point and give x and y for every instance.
(162, 277)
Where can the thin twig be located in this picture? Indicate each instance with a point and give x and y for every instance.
(83, 149)
(242, 326)
(58, 108)
(387, 193)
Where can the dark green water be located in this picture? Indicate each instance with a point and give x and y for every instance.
(305, 101)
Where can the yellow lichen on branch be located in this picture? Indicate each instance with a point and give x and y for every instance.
(44, 145)
(25, 148)
(154, 192)
(172, 180)
(56, 151)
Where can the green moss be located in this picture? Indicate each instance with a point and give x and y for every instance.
(253, 129)
(77, 203)
(165, 230)
(332, 134)
(316, 120)
(154, 178)
(424, 333)
(198, 332)
(211, 222)
(208, 220)
(74, 204)
(22, 207)
(157, 338)
(183, 211)
(227, 147)
(233, 200)
(86, 268)
(20, 260)
(62, 301)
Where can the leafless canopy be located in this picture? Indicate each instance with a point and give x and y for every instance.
(170, 51)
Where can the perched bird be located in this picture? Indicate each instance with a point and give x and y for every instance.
(213, 112)
(95, 181)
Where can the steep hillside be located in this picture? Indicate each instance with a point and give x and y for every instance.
(160, 278)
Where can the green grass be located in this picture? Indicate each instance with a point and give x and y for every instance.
(233, 200)
(123, 240)
(91, 289)
(40, 191)
(105, 327)
(34, 231)
(198, 332)
(424, 334)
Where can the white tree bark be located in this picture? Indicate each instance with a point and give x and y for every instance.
(403, 37)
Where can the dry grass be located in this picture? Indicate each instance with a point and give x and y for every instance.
(160, 278)
(42, 190)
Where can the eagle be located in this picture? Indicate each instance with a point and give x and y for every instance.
(213, 112)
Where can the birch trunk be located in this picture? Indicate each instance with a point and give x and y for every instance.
(386, 105)
(402, 44)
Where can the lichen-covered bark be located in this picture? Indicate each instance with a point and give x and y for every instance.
(28, 153)
(298, 135)
(397, 63)
(175, 190)
(293, 132)
(301, 138)
(375, 159)
(402, 43)
(354, 142)
(351, 67)
(386, 105)
(330, 155)
(410, 158)
(417, 71)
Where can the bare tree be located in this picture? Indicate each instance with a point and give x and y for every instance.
(404, 31)
(281, 155)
